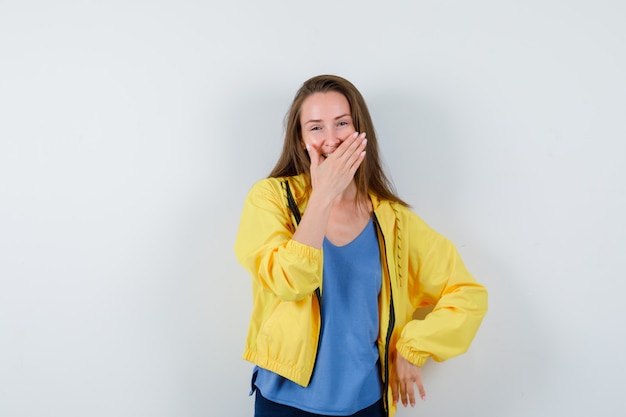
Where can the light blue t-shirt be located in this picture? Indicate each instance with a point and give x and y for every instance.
(346, 377)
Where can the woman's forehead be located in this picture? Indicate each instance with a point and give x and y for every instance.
(323, 105)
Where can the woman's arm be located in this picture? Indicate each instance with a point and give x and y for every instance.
(460, 303)
(265, 247)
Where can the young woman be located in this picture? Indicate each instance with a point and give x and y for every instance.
(339, 265)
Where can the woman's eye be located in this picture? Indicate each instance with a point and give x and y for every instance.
(342, 123)
(316, 128)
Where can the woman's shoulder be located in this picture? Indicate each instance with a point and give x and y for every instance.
(272, 187)
(265, 184)
(403, 215)
(390, 207)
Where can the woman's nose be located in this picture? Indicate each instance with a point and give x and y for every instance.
(333, 137)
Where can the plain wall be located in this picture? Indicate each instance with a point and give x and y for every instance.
(131, 131)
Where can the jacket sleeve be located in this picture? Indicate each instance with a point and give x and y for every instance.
(460, 303)
(287, 268)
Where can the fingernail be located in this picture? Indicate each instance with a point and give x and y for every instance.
(355, 134)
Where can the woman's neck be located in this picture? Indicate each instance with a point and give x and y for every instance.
(350, 197)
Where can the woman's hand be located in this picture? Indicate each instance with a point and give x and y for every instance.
(330, 176)
(333, 174)
(406, 376)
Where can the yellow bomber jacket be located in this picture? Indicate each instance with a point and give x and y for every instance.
(420, 268)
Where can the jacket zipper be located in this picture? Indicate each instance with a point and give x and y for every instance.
(391, 324)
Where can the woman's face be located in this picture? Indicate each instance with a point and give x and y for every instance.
(326, 121)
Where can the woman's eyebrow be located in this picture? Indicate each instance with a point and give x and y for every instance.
(319, 120)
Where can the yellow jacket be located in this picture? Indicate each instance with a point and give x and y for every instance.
(421, 268)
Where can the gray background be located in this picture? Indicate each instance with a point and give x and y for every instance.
(130, 132)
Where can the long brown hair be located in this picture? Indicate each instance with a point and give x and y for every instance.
(294, 159)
